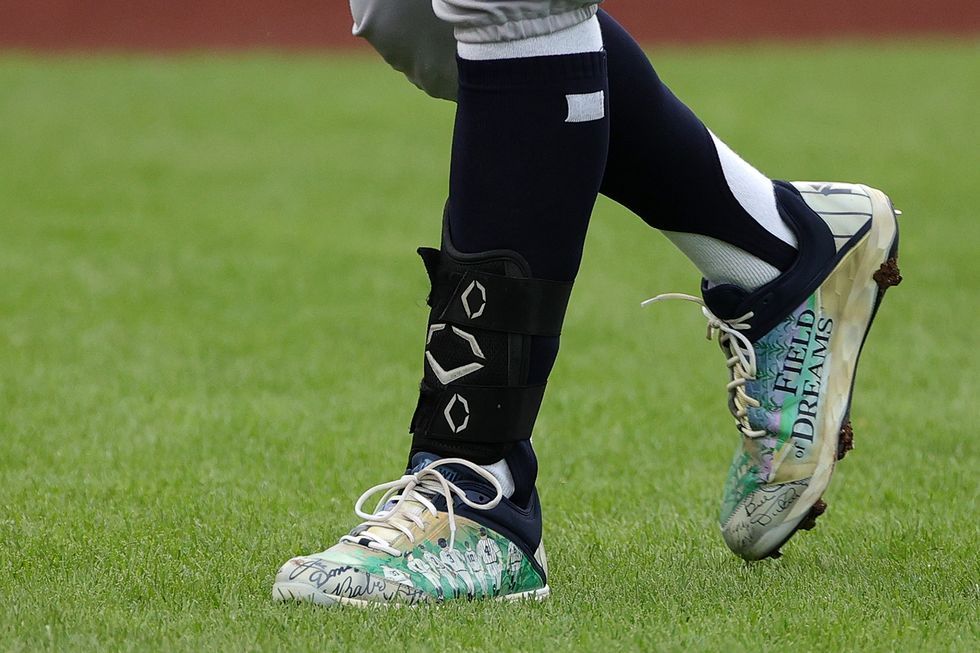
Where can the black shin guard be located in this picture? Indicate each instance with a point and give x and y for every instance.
(475, 399)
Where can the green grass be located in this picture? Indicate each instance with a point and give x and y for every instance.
(210, 324)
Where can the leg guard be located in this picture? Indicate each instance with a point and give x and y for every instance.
(486, 308)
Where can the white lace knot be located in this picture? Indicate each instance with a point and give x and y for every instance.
(406, 495)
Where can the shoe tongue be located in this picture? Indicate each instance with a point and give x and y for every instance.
(724, 300)
(453, 473)
(420, 460)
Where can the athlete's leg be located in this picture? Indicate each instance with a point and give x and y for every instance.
(528, 157)
(794, 274)
(670, 170)
(530, 143)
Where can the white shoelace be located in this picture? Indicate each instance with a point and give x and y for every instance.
(740, 354)
(419, 489)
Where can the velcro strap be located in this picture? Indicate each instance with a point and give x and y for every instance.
(477, 413)
(469, 297)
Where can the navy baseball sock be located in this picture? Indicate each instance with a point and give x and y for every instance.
(529, 151)
(528, 156)
(668, 168)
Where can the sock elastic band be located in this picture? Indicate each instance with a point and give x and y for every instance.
(584, 37)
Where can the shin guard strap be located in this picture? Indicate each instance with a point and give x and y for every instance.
(484, 414)
(486, 311)
(472, 297)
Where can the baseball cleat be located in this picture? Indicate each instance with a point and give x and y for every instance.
(792, 349)
(431, 538)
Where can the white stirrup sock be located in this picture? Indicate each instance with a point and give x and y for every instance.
(584, 37)
(721, 262)
(501, 471)
(754, 192)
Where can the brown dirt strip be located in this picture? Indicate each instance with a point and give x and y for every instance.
(163, 25)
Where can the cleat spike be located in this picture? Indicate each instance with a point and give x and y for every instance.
(846, 441)
(810, 521)
(888, 274)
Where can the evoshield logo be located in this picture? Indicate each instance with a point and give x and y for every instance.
(448, 376)
(461, 408)
(457, 411)
(479, 304)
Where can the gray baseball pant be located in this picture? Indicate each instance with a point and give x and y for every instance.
(418, 37)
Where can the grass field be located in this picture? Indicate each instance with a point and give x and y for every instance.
(211, 315)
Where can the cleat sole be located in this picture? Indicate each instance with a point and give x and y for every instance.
(810, 521)
(305, 593)
(845, 441)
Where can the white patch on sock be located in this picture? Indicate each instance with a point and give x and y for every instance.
(720, 262)
(584, 37)
(501, 471)
(586, 107)
(754, 192)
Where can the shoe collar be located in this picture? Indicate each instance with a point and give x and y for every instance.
(771, 303)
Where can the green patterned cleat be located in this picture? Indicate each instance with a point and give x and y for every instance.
(792, 349)
(430, 539)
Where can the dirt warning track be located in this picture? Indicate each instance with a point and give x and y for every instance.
(161, 25)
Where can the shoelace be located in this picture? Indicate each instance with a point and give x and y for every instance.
(741, 358)
(419, 488)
